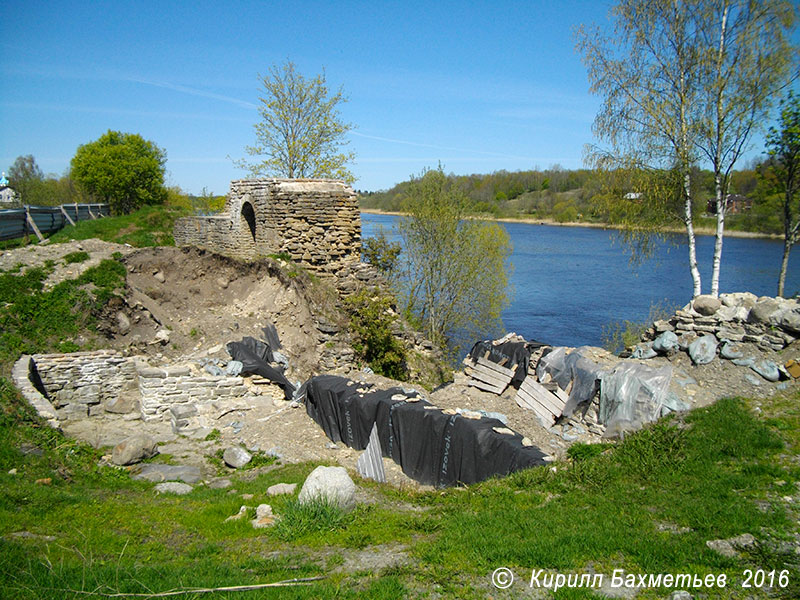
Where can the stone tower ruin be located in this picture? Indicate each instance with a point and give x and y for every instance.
(315, 221)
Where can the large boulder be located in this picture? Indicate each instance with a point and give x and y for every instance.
(236, 457)
(789, 320)
(331, 484)
(706, 305)
(743, 299)
(767, 369)
(703, 350)
(134, 449)
(763, 311)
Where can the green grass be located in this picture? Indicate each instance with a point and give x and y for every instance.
(76, 257)
(33, 320)
(148, 226)
(704, 475)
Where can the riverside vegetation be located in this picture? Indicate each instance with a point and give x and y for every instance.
(564, 195)
(71, 528)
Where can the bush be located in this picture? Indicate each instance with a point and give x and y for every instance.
(380, 252)
(371, 321)
(619, 335)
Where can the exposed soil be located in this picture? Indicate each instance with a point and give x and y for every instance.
(205, 301)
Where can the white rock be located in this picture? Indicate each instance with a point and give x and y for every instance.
(173, 487)
(236, 457)
(134, 449)
(332, 484)
(281, 488)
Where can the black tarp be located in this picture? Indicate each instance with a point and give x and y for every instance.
(518, 353)
(256, 355)
(431, 446)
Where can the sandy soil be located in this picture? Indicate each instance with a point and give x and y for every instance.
(207, 300)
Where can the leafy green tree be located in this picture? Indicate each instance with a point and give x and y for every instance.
(26, 179)
(455, 278)
(783, 144)
(381, 252)
(122, 169)
(301, 132)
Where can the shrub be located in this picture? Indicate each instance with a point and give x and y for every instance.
(371, 321)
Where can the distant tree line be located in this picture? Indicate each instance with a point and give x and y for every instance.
(582, 195)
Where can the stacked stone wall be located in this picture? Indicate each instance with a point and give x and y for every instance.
(78, 384)
(316, 222)
(163, 389)
(770, 323)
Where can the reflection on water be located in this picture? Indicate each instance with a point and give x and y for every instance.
(568, 282)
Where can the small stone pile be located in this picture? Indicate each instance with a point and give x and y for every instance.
(770, 323)
(708, 326)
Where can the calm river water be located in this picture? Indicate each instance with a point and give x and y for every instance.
(568, 282)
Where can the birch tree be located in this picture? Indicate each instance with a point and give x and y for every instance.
(783, 145)
(646, 72)
(685, 81)
(747, 58)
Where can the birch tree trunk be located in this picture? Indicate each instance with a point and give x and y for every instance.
(687, 193)
(718, 238)
(787, 247)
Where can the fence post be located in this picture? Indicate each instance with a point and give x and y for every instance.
(32, 223)
(66, 214)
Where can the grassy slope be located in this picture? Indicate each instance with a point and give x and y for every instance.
(148, 226)
(115, 535)
(720, 472)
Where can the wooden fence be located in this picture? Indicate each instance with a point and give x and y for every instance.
(39, 220)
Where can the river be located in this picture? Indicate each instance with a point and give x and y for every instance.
(568, 282)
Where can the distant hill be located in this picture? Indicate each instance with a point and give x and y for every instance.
(564, 195)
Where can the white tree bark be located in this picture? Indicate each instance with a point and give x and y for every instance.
(696, 283)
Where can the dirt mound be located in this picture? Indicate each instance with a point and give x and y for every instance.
(206, 300)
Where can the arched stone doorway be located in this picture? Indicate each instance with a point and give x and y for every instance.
(250, 218)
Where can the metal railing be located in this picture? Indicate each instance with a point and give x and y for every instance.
(39, 220)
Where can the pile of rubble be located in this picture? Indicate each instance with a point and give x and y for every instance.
(708, 326)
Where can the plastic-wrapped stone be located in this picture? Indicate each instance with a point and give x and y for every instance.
(666, 343)
(703, 350)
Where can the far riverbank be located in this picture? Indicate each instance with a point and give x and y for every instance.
(529, 221)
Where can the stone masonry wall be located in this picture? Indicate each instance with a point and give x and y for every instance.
(85, 384)
(77, 384)
(163, 389)
(315, 221)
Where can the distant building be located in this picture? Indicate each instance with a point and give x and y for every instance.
(8, 197)
(734, 204)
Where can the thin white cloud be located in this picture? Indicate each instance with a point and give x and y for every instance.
(435, 147)
(118, 111)
(192, 91)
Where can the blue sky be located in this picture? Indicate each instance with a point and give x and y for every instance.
(477, 86)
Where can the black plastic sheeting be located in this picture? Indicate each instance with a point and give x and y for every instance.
(256, 355)
(515, 352)
(431, 447)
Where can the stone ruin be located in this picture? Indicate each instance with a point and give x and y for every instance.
(79, 385)
(316, 222)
